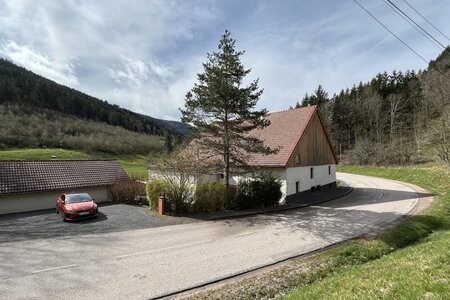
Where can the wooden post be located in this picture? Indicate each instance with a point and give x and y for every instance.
(161, 204)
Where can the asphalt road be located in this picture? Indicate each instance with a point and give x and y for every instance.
(146, 263)
(111, 218)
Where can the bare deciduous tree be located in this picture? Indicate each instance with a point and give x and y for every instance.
(396, 104)
(440, 136)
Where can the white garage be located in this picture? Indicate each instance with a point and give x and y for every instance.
(35, 185)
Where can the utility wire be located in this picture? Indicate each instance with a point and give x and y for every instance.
(412, 7)
(416, 26)
(398, 38)
(385, 27)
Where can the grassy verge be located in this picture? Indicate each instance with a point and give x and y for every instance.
(42, 153)
(134, 165)
(410, 261)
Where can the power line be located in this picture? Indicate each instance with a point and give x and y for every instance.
(416, 26)
(398, 38)
(379, 22)
(412, 7)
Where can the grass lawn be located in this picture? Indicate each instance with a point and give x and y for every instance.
(42, 153)
(411, 261)
(134, 165)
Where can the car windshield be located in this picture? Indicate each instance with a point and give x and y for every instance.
(77, 198)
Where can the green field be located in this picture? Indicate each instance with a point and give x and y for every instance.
(134, 165)
(411, 261)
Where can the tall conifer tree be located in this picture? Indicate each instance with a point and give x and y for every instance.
(222, 108)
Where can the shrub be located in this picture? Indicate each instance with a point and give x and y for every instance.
(263, 191)
(209, 197)
(180, 196)
(245, 195)
(270, 189)
(155, 188)
(127, 192)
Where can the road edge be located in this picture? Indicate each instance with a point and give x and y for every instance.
(421, 205)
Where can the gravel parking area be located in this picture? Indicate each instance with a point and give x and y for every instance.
(111, 218)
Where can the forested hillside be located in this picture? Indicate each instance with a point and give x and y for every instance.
(22, 126)
(23, 87)
(389, 119)
(37, 112)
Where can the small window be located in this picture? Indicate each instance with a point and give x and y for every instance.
(297, 186)
(329, 170)
(312, 173)
(298, 158)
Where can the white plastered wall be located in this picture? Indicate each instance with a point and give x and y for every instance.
(193, 180)
(44, 200)
(303, 176)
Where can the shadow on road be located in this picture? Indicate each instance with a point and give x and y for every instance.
(336, 219)
(360, 196)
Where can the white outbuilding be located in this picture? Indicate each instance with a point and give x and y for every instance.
(27, 185)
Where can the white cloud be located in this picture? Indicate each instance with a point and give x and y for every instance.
(133, 71)
(163, 72)
(61, 72)
(144, 55)
(136, 72)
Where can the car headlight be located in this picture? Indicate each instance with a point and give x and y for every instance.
(95, 206)
(70, 211)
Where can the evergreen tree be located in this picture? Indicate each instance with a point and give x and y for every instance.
(222, 109)
(169, 143)
(319, 98)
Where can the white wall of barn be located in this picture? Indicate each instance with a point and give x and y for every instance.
(302, 175)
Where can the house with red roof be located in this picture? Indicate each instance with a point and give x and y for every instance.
(305, 159)
(27, 185)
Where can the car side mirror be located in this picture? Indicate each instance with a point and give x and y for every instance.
(93, 199)
(63, 201)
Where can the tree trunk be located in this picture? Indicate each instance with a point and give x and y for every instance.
(227, 172)
(227, 152)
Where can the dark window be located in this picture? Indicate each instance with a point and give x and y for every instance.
(297, 186)
(312, 173)
(329, 170)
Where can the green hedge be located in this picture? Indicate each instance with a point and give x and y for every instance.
(209, 197)
(155, 188)
(262, 191)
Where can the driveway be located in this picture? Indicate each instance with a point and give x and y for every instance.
(111, 218)
(152, 262)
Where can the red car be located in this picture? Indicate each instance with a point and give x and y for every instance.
(76, 206)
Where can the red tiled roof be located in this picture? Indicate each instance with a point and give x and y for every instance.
(284, 132)
(17, 177)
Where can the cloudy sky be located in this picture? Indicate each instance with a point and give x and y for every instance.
(144, 55)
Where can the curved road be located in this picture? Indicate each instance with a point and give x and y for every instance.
(146, 263)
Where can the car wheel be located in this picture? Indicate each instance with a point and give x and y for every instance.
(64, 219)
(57, 211)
